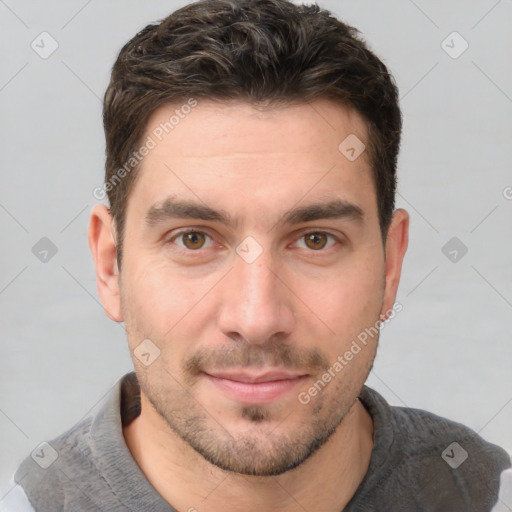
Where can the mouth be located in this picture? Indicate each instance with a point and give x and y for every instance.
(255, 388)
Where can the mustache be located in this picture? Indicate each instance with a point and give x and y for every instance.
(256, 356)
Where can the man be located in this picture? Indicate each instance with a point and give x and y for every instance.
(253, 252)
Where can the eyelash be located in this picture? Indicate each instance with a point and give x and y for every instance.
(190, 252)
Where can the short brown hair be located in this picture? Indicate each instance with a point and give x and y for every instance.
(270, 51)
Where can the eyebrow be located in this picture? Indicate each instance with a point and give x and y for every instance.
(182, 209)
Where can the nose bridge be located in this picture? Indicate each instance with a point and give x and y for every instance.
(257, 287)
(256, 305)
(255, 277)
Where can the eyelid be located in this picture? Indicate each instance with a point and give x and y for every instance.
(298, 236)
(318, 231)
(184, 231)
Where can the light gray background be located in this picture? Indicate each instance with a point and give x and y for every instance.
(449, 351)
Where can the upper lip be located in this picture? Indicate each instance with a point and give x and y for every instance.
(252, 377)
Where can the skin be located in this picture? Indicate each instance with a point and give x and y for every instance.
(295, 308)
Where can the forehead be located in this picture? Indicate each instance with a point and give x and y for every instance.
(211, 128)
(232, 153)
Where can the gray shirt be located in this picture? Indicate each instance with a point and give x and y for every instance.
(420, 462)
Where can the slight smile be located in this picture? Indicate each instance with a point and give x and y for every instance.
(255, 389)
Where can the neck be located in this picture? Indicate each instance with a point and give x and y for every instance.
(325, 482)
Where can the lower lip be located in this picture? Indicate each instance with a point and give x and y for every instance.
(255, 393)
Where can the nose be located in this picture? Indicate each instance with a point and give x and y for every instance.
(257, 306)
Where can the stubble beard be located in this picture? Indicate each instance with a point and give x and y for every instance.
(261, 451)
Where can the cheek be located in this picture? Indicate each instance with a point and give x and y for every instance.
(159, 301)
(350, 299)
(147, 288)
(352, 290)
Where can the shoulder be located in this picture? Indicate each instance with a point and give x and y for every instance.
(425, 434)
(53, 464)
(431, 461)
(72, 464)
(419, 433)
(504, 503)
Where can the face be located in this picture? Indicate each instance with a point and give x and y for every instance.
(252, 260)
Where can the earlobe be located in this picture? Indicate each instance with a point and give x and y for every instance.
(104, 252)
(396, 247)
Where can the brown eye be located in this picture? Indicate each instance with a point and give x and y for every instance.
(316, 241)
(193, 239)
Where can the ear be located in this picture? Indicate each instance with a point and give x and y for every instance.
(396, 246)
(104, 253)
